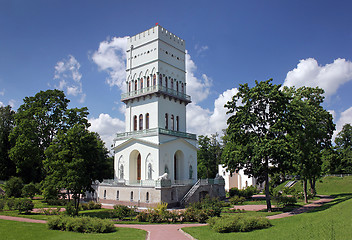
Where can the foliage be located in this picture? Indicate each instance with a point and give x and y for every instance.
(10, 202)
(343, 145)
(37, 122)
(71, 210)
(122, 211)
(283, 201)
(247, 193)
(75, 159)
(81, 224)
(237, 200)
(24, 205)
(91, 205)
(30, 190)
(256, 134)
(2, 204)
(208, 156)
(13, 187)
(51, 211)
(212, 206)
(312, 129)
(238, 223)
(7, 118)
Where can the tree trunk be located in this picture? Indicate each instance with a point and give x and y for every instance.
(312, 186)
(305, 190)
(267, 193)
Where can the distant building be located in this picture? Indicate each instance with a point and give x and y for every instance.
(237, 179)
(155, 158)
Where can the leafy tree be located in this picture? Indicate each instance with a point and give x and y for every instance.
(37, 121)
(13, 187)
(7, 167)
(74, 160)
(312, 131)
(343, 145)
(208, 156)
(255, 136)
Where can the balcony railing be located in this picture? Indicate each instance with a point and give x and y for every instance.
(154, 132)
(154, 89)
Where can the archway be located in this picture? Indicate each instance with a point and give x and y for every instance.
(135, 166)
(179, 171)
(139, 160)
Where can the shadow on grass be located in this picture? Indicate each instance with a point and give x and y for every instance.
(338, 198)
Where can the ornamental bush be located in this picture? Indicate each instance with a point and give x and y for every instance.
(24, 205)
(81, 224)
(121, 212)
(30, 190)
(238, 223)
(283, 201)
(236, 200)
(13, 187)
(248, 192)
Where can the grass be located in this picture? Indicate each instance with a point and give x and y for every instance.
(331, 221)
(22, 230)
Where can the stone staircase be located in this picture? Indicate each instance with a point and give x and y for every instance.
(190, 193)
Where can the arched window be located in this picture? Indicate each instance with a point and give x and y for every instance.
(131, 196)
(147, 197)
(166, 121)
(172, 84)
(190, 172)
(154, 80)
(129, 86)
(140, 122)
(148, 82)
(177, 124)
(121, 172)
(141, 83)
(135, 123)
(104, 194)
(166, 82)
(182, 88)
(117, 195)
(135, 85)
(177, 86)
(172, 122)
(160, 80)
(147, 121)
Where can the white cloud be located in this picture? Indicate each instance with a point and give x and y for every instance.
(12, 103)
(69, 77)
(198, 89)
(345, 117)
(2, 93)
(204, 121)
(111, 57)
(200, 49)
(328, 77)
(1, 104)
(107, 127)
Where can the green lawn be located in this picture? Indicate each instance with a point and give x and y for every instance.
(332, 221)
(20, 230)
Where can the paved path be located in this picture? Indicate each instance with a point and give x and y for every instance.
(174, 232)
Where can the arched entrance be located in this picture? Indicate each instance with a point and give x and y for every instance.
(178, 166)
(135, 166)
(139, 167)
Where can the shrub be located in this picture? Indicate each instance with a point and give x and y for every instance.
(209, 204)
(51, 211)
(121, 212)
(10, 202)
(248, 192)
(56, 202)
(283, 201)
(30, 190)
(238, 223)
(142, 216)
(24, 205)
(94, 205)
(71, 210)
(2, 204)
(236, 200)
(154, 217)
(81, 224)
(13, 187)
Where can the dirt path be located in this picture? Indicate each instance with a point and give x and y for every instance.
(174, 232)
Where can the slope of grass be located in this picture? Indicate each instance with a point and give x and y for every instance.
(25, 231)
(331, 221)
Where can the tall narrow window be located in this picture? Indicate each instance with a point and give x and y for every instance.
(166, 82)
(147, 121)
(134, 123)
(139, 167)
(160, 80)
(131, 196)
(172, 84)
(182, 88)
(154, 80)
(150, 170)
(129, 86)
(177, 86)
(148, 82)
(172, 123)
(140, 122)
(135, 85)
(104, 194)
(177, 124)
(117, 195)
(147, 197)
(141, 83)
(166, 121)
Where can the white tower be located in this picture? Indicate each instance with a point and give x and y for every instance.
(155, 141)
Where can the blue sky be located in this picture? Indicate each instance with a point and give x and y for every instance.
(78, 46)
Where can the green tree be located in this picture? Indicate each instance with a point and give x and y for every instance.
(312, 131)
(7, 118)
(37, 122)
(208, 156)
(74, 160)
(255, 136)
(343, 146)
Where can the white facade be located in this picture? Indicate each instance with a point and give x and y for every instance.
(155, 141)
(237, 179)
